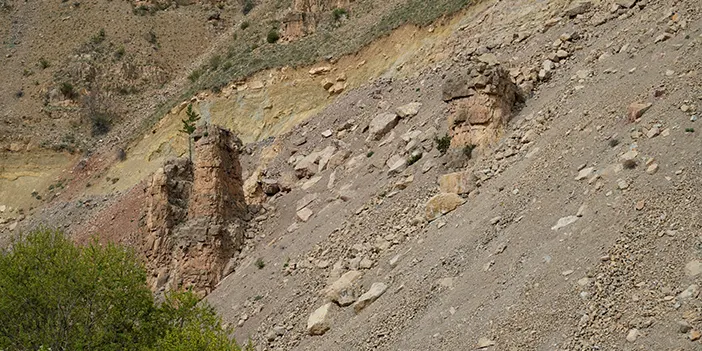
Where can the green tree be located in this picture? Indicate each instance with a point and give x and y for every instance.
(58, 296)
(189, 127)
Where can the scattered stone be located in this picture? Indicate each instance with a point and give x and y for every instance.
(629, 155)
(393, 261)
(622, 184)
(442, 204)
(341, 291)
(695, 335)
(409, 110)
(578, 7)
(304, 214)
(585, 173)
(327, 83)
(485, 343)
(637, 109)
(318, 323)
(381, 125)
(684, 327)
(3, 208)
(305, 200)
(396, 163)
(632, 335)
(376, 290)
(458, 183)
(561, 54)
(663, 37)
(564, 222)
(319, 70)
(327, 133)
(495, 220)
(270, 186)
(691, 292)
(366, 263)
(640, 205)
(653, 132)
(693, 268)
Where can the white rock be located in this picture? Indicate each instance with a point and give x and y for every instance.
(341, 291)
(693, 268)
(564, 222)
(585, 173)
(327, 133)
(691, 292)
(304, 214)
(409, 110)
(485, 343)
(632, 335)
(381, 125)
(318, 323)
(376, 290)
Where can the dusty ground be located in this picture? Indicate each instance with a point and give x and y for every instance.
(495, 273)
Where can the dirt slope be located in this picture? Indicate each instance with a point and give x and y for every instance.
(497, 268)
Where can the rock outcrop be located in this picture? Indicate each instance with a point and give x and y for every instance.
(196, 215)
(305, 15)
(482, 98)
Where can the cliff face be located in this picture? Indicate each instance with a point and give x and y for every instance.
(305, 15)
(196, 215)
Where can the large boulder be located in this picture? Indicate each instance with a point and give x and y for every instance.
(319, 322)
(376, 290)
(341, 290)
(442, 204)
(482, 99)
(458, 183)
(381, 125)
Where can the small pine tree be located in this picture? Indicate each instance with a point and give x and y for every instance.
(189, 127)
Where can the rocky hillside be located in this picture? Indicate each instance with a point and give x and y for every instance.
(523, 175)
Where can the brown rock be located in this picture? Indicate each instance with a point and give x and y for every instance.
(442, 204)
(457, 183)
(636, 110)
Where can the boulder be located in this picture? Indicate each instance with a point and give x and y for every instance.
(458, 183)
(324, 157)
(341, 291)
(270, 186)
(409, 110)
(636, 110)
(307, 167)
(442, 204)
(577, 7)
(319, 322)
(381, 125)
(376, 290)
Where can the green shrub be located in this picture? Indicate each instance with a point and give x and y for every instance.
(244, 25)
(369, 154)
(119, 53)
(689, 130)
(67, 90)
(215, 61)
(259, 263)
(273, 36)
(195, 75)
(413, 159)
(443, 143)
(340, 13)
(55, 295)
(99, 37)
(248, 6)
(43, 63)
(468, 150)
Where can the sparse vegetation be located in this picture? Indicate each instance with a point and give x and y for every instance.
(248, 6)
(613, 142)
(414, 158)
(259, 263)
(340, 13)
(273, 36)
(98, 110)
(152, 38)
(59, 296)
(43, 63)
(27, 72)
(67, 90)
(119, 53)
(369, 154)
(468, 151)
(244, 25)
(99, 37)
(443, 143)
(215, 61)
(194, 76)
(189, 127)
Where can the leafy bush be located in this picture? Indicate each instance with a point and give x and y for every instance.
(67, 90)
(55, 295)
(259, 263)
(43, 63)
(244, 25)
(273, 36)
(340, 13)
(443, 143)
(248, 6)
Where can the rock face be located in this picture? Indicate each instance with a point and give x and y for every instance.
(304, 15)
(196, 215)
(458, 183)
(482, 99)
